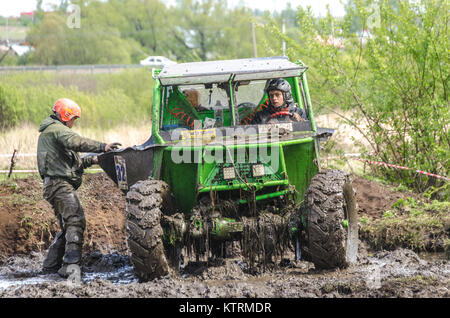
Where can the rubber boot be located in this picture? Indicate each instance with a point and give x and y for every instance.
(73, 248)
(54, 258)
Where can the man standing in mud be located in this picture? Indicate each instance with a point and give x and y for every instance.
(61, 168)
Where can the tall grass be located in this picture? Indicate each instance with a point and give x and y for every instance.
(24, 139)
(107, 100)
(115, 107)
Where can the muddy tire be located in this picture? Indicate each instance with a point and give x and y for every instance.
(330, 203)
(145, 203)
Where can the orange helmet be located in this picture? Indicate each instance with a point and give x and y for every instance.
(67, 109)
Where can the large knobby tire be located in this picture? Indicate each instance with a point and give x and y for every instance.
(330, 239)
(145, 202)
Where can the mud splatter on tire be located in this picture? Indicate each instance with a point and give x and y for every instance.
(330, 239)
(145, 202)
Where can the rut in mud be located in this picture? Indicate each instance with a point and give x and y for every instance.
(108, 271)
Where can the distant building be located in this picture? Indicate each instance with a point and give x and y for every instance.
(29, 14)
(331, 41)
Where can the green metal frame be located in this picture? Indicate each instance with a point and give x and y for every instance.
(298, 158)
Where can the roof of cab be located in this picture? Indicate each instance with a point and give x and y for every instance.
(223, 71)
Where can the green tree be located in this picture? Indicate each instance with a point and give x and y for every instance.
(407, 64)
(57, 44)
(199, 27)
(119, 31)
(394, 81)
(236, 35)
(147, 24)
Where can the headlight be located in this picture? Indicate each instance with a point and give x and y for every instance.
(258, 170)
(229, 173)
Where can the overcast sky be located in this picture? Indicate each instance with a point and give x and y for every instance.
(14, 7)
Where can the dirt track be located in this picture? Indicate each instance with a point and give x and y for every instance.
(107, 271)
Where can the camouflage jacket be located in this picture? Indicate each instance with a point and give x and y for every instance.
(57, 151)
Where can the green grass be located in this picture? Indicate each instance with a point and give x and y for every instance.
(15, 33)
(5, 180)
(377, 179)
(412, 224)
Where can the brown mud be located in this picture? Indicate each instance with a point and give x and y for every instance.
(27, 221)
(27, 228)
(399, 273)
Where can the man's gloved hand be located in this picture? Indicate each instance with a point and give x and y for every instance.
(297, 117)
(112, 146)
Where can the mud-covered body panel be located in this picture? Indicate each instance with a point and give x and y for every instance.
(136, 164)
(191, 163)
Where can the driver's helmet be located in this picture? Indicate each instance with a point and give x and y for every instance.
(280, 85)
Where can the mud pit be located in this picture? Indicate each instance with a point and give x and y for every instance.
(107, 271)
(399, 273)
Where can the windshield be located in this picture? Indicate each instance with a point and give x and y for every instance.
(249, 92)
(205, 106)
(248, 96)
(203, 98)
(195, 107)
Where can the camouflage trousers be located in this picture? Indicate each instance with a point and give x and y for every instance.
(67, 246)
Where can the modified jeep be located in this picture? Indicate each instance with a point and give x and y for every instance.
(210, 182)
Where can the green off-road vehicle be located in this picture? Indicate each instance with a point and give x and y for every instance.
(209, 184)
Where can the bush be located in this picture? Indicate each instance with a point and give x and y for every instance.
(106, 99)
(394, 81)
(11, 106)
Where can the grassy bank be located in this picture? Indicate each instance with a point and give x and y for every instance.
(420, 226)
(106, 99)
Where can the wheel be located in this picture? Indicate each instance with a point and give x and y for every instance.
(146, 202)
(330, 239)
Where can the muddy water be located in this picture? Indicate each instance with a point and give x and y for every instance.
(399, 273)
(25, 271)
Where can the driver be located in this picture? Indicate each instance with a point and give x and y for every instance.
(282, 107)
